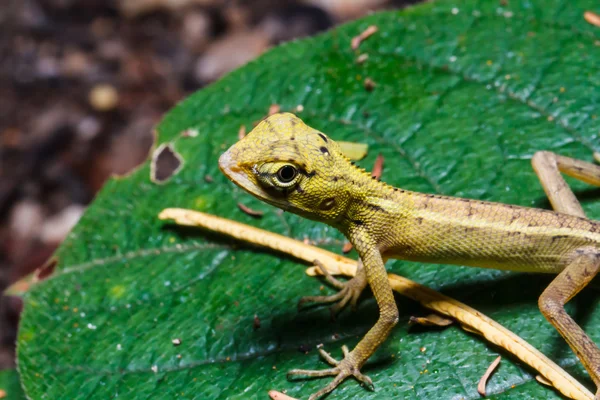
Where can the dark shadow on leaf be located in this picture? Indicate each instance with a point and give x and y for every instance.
(584, 196)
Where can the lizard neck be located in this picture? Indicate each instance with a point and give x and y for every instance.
(361, 186)
(368, 195)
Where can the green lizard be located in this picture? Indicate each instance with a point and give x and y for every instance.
(299, 169)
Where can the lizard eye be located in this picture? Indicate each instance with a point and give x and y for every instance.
(278, 175)
(287, 173)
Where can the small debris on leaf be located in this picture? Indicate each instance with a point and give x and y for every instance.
(369, 84)
(256, 323)
(357, 40)
(347, 248)
(154, 368)
(176, 342)
(431, 320)
(274, 109)
(592, 18)
(165, 163)
(299, 108)
(242, 132)
(486, 376)
(208, 179)
(190, 133)
(275, 395)
(249, 211)
(377, 167)
(362, 58)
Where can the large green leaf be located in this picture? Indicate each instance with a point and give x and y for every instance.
(465, 93)
(10, 389)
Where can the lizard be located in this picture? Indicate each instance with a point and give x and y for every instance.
(290, 165)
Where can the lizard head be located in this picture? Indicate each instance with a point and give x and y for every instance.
(284, 162)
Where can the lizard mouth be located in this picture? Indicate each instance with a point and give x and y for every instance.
(230, 167)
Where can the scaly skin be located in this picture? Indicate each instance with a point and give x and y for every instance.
(294, 167)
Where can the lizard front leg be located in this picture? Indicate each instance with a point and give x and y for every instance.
(348, 291)
(388, 318)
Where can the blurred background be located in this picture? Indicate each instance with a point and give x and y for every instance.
(83, 82)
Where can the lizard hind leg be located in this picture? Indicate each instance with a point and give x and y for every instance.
(548, 167)
(584, 266)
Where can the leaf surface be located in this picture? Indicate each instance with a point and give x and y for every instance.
(10, 389)
(465, 93)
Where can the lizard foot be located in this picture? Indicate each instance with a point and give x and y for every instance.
(341, 370)
(349, 291)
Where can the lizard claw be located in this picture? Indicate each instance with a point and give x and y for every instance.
(341, 370)
(349, 292)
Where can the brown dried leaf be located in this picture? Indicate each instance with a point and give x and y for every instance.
(369, 84)
(275, 395)
(249, 211)
(256, 322)
(347, 247)
(592, 18)
(378, 167)
(486, 376)
(357, 40)
(274, 109)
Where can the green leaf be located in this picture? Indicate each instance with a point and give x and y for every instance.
(10, 389)
(465, 93)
